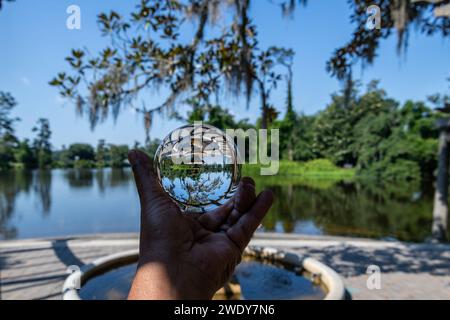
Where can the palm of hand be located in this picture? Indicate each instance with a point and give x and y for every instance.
(200, 251)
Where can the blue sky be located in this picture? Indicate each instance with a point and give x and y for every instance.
(35, 41)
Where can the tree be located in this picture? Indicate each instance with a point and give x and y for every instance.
(374, 134)
(81, 151)
(216, 59)
(24, 155)
(118, 155)
(410, 150)
(302, 137)
(289, 123)
(267, 78)
(216, 116)
(201, 69)
(333, 135)
(397, 16)
(8, 140)
(101, 153)
(41, 144)
(61, 158)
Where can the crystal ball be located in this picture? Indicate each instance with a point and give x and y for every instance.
(198, 167)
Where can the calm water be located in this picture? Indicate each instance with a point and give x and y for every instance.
(257, 281)
(69, 202)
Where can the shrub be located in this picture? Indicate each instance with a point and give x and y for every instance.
(84, 164)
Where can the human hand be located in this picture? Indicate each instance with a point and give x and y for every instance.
(190, 256)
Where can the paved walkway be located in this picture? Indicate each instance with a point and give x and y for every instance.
(36, 269)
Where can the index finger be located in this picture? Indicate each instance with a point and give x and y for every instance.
(147, 184)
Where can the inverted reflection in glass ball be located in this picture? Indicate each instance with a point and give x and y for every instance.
(197, 165)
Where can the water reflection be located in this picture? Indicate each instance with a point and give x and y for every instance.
(352, 209)
(10, 185)
(55, 203)
(26, 202)
(106, 179)
(252, 280)
(42, 186)
(79, 178)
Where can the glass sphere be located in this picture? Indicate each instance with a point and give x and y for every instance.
(197, 165)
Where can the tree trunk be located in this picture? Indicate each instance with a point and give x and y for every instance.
(264, 107)
(440, 208)
(290, 152)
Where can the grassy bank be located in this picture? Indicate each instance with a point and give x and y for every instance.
(320, 169)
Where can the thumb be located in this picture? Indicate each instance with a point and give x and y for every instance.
(147, 184)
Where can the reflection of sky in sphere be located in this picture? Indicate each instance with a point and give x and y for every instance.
(208, 189)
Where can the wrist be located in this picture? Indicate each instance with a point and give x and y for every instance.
(159, 278)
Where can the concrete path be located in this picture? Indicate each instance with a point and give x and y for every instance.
(36, 269)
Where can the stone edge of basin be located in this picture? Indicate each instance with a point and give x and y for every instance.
(329, 277)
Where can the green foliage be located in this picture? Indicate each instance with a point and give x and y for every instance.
(332, 135)
(81, 151)
(83, 164)
(217, 59)
(213, 57)
(403, 137)
(8, 140)
(101, 154)
(81, 155)
(315, 168)
(367, 131)
(371, 132)
(24, 155)
(363, 131)
(399, 170)
(216, 116)
(303, 138)
(41, 144)
(61, 158)
(397, 17)
(323, 165)
(118, 155)
(296, 137)
(350, 208)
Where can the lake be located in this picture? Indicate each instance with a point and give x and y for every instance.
(71, 202)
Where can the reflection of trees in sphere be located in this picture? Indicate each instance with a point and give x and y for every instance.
(197, 165)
